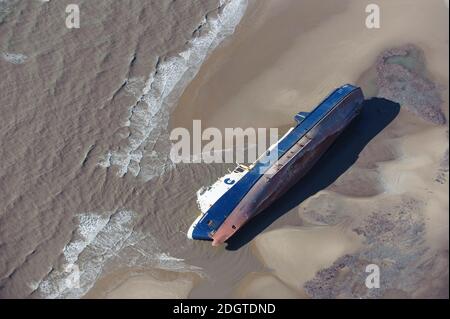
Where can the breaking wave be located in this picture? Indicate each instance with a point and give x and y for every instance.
(100, 241)
(14, 58)
(146, 152)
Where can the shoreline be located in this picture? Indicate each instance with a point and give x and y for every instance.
(237, 87)
(275, 65)
(148, 117)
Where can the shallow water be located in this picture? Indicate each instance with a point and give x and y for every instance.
(85, 172)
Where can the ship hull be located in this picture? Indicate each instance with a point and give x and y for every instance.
(290, 167)
(282, 166)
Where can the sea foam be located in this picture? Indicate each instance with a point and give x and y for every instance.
(98, 241)
(146, 151)
(14, 58)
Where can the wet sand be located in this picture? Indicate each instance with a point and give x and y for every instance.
(144, 284)
(296, 254)
(265, 286)
(283, 59)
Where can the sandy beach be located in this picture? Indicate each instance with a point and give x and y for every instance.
(143, 284)
(296, 254)
(283, 59)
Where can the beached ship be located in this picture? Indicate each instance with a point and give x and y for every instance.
(246, 191)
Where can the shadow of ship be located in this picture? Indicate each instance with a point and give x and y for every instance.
(375, 115)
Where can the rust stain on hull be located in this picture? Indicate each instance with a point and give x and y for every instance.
(290, 168)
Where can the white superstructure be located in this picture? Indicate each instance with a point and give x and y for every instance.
(207, 196)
